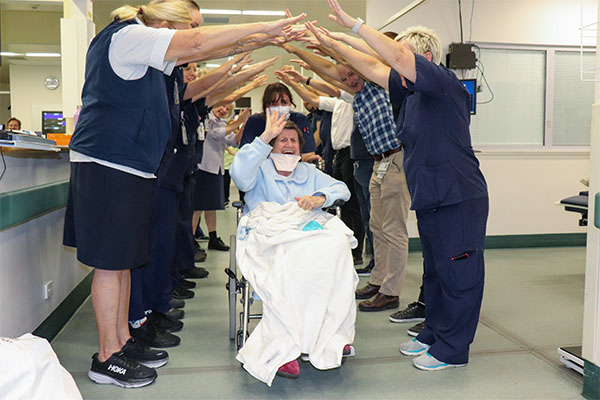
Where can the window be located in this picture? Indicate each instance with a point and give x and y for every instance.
(573, 99)
(538, 97)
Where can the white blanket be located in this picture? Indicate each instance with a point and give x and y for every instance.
(306, 280)
(29, 369)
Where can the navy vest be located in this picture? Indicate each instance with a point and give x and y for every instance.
(177, 153)
(123, 122)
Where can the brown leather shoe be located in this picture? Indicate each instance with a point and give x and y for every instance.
(367, 292)
(379, 302)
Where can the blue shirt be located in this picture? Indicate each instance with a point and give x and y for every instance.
(374, 118)
(256, 124)
(439, 162)
(254, 173)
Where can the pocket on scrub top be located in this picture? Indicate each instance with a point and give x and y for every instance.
(436, 186)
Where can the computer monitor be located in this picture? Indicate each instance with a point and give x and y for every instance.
(471, 86)
(53, 122)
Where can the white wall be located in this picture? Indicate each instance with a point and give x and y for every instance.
(523, 185)
(540, 22)
(28, 95)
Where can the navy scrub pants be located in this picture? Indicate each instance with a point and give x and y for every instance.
(363, 169)
(453, 239)
(151, 286)
(184, 258)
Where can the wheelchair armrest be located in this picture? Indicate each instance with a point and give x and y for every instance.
(338, 203)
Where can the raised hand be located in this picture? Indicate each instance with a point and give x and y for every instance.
(339, 16)
(294, 75)
(260, 81)
(302, 63)
(243, 116)
(274, 125)
(277, 27)
(281, 75)
(320, 35)
(242, 60)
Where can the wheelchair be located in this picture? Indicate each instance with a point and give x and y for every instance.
(238, 285)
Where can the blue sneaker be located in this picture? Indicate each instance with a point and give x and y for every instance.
(413, 348)
(427, 362)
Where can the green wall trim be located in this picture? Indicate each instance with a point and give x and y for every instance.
(520, 241)
(591, 381)
(23, 205)
(50, 327)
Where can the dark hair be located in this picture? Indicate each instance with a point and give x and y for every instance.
(291, 125)
(274, 91)
(13, 119)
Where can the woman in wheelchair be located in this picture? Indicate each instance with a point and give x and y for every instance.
(296, 256)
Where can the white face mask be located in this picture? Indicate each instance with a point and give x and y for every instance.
(285, 162)
(282, 110)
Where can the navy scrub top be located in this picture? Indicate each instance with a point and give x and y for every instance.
(433, 126)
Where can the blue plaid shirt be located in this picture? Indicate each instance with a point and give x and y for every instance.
(375, 120)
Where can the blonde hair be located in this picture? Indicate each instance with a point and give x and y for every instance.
(423, 40)
(171, 11)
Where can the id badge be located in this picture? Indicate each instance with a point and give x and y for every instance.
(201, 132)
(184, 136)
(382, 169)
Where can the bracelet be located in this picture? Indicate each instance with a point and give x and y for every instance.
(229, 74)
(358, 24)
(239, 43)
(308, 80)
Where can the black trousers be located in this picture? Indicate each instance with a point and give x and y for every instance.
(343, 170)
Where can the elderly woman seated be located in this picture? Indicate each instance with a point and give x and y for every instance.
(296, 256)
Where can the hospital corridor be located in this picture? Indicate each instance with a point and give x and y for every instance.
(533, 304)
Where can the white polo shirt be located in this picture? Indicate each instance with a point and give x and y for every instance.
(342, 120)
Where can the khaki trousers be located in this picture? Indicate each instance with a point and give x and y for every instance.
(390, 203)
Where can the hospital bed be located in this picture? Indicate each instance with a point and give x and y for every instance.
(571, 356)
(238, 285)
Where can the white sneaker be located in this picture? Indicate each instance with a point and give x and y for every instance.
(413, 348)
(427, 362)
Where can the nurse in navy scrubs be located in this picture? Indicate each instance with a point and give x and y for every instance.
(448, 190)
(116, 148)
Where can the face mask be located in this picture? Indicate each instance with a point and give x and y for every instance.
(285, 162)
(285, 110)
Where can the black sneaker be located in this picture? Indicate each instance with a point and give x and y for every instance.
(414, 312)
(175, 313)
(194, 273)
(199, 256)
(415, 330)
(120, 371)
(135, 351)
(151, 336)
(217, 244)
(164, 323)
(366, 271)
(182, 293)
(177, 303)
(187, 284)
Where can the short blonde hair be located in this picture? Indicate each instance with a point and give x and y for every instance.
(423, 40)
(171, 11)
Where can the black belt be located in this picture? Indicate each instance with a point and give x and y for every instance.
(385, 154)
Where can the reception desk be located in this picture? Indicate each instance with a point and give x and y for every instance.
(38, 275)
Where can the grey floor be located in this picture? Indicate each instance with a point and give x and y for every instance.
(533, 304)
